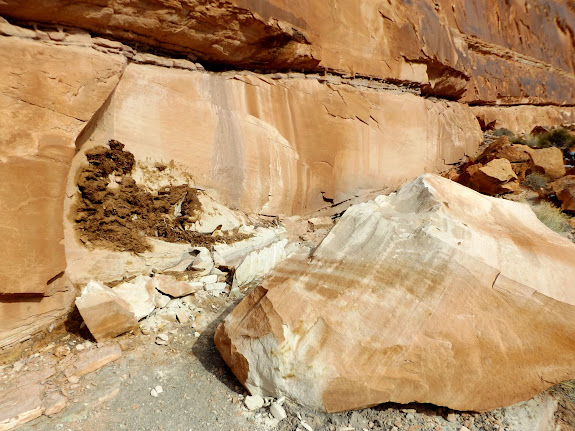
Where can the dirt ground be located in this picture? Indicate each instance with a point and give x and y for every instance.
(200, 393)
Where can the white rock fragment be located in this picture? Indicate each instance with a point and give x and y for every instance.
(306, 426)
(162, 339)
(182, 316)
(18, 365)
(233, 254)
(278, 411)
(156, 391)
(73, 379)
(209, 279)
(162, 300)
(139, 294)
(254, 402)
(203, 262)
(215, 289)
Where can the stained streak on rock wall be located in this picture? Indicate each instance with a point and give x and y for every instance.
(283, 146)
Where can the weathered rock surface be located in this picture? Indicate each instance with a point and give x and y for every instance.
(451, 49)
(255, 139)
(94, 359)
(548, 161)
(520, 119)
(259, 263)
(435, 294)
(106, 314)
(24, 316)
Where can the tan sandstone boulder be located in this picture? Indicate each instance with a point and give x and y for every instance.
(564, 189)
(548, 161)
(494, 178)
(106, 314)
(435, 294)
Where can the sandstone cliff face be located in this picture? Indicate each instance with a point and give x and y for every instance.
(288, 145)
(47, 95)
(451, 49)
(275, 143)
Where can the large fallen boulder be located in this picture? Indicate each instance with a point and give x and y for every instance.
(436, 294)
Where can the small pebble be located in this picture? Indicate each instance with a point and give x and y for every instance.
(156, 391)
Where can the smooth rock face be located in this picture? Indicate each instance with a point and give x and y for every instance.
(106, 314)
(255, 140)
(47, 94)
(514, 54)
(436, 294)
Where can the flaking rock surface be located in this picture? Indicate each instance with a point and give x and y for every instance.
(436, 294)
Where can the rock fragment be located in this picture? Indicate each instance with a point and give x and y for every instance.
(53, 403)
(156, 391)
(173, 287)
(564, 189)
(278, 411)
(106, 315)
(254, 402)
(494, 178)
(139, 294)
(94, 359)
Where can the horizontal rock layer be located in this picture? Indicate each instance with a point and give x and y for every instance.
(436, 294)
(517, 53)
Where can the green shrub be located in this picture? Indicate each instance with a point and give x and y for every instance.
(503, 132)
(552, 217)
(536, 181)
(531, 141)
(560, 138)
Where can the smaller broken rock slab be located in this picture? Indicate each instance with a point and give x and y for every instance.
(175, 288)
(20, 404)
(496, 177)
(94, 359)
(54, 403)
(106, 314)
(548, 161)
